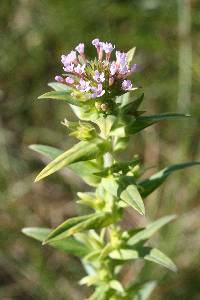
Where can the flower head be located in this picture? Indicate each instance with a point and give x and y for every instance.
(99, 77)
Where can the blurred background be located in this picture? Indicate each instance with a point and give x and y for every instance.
(33, 35)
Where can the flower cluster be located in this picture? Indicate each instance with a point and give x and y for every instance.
(100, 77)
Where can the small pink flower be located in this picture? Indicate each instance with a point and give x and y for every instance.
(69, 80)
(80, 48)
(59, 78)
(127, 85)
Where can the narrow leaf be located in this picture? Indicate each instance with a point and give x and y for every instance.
(49, 151)
(66, 225)
(69, 245)
(110, 185)
(58, 86)
(132, 197)
(158, 257)
(93, 221)
(142, 122)
(150, 230)
(124, 254)
(82, 151)
(144, 291)
(130, 55)
(84, 169)
(61, 95)
(147, 186)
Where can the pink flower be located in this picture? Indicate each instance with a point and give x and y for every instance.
(99, 77)
(127, 85)
(97, 91)
(69, 58)
(69, 68)
(79, 69)
(80, 48)
(84, 86)
(59, 78)
(69, 80)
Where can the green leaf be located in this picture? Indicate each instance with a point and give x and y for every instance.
(130, 55)
(117, 167)
(117, 286)
(61, 95)
(147, 253)
(158, 257)
(124, 254)
(62, 228)
(132, 106)
(78, 224)
(142, 122)
(101, 293)
(69, 245)
(49, 151)
(80, 152)
(85, 169)
(150, 230)
(105, 125)
(110, 185)
(147, 186)
(132, 197)
(143, 291)
(58, 86)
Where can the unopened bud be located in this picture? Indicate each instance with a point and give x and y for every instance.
(98, 105)
(104, 106)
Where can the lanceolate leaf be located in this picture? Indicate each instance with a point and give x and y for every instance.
(70, 245)
(144, 291)
(144, 121)
(85, 169)
(49, 151)
(147, 186)
(160, 258)
(132, 106)
(101, 293)
(58, 86)
(130, 55)
(82, 151)
(61, 95)
(147, 253)
(75, 225)
(65, 226)
(150, 230)
(132, 197)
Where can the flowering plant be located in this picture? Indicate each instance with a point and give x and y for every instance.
(106, 104)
